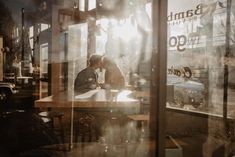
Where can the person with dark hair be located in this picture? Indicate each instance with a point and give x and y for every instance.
(114, 78)
(87, 79)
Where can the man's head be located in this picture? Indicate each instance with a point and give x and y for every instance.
(95, 61)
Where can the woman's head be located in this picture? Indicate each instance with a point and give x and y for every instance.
(107, 62)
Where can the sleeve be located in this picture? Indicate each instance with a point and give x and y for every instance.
(86, 80)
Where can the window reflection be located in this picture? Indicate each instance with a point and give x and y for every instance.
(199, 78)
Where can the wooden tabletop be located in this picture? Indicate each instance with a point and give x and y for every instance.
(139, 117)
(99, 98)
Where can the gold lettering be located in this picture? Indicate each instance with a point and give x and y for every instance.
(174, 43)
(187, 72)
(179, 15)
(183, 72)
(181, 42)
(169, 18)
(198, 9)
(189, 13)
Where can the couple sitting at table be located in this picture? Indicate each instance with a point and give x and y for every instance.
(87, 79)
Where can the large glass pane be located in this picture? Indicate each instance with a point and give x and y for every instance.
(78, 78)
(199, 77)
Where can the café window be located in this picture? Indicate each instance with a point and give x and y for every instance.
(196, 50)
(132, 78)
(43, 27)
(115, 112)
(31, 38)
(44, 59)
(200, 75)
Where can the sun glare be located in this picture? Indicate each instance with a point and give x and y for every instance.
(123, 96)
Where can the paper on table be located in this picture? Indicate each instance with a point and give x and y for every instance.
(87, 94)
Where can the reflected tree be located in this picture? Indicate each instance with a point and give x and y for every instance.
(6, 28)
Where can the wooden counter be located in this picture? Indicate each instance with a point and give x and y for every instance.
(92, 99)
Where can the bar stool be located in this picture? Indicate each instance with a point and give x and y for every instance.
(85, 127)
(49, 118)
(142, 121)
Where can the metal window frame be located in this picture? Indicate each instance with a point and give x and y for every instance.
(158, 73)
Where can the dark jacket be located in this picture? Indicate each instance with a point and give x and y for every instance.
(86, 79)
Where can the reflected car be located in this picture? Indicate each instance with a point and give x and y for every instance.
(6, 91)
(189, 92)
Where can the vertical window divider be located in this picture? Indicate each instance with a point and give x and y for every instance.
(226, 72)
(158, 76)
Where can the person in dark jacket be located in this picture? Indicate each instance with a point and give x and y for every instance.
(87, 79)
